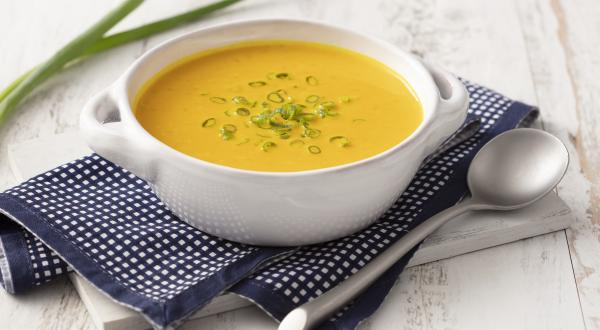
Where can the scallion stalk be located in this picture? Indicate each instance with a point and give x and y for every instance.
(69, 52)
(90, 43)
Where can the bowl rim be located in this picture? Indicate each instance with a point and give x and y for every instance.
(125, 108)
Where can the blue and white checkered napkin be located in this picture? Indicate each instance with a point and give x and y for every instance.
(96, 218)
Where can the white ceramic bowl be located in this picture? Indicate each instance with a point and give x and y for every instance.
(268, 208)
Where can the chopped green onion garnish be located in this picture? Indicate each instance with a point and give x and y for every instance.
(280, 116)
(242, 112)
(358, 120)
(230, 128)
(227, 113)
(341, 141)
(311, 132)
(256, 83)
(275, 97)
(345, 99)
(226, 135)
(284, 133)
(282, 75)
(267, 145)
(312, 99)
(227, 131)
(246, 140)
(218, 100)
(325, 109)
(297, 143)
(314, 150)
(209, 122)
(311, 80)
(240, 100)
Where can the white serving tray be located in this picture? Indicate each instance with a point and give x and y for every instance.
(467, 233)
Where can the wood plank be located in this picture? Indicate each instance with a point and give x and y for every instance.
(562, 39)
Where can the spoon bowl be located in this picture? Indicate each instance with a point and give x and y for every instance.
(516, 168)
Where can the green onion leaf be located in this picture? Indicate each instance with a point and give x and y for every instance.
(312, 80)
(282, 75)
(275, 97)
(257, 83)
(345, 99)
(227, 131)
(267, 145)
(91, 42)
(240, 100)
(311, 133)
(71, 51)
(341, 141)
(314, 150)
(312, 99)
(297, 143)
(326, 109)
(218, 100)
(153, 28)
(230, 128)
(246, 140)
(242, 112)
(209, 122)
(358, 120)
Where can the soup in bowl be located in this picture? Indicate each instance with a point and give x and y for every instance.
(275, 132)
(279, 106)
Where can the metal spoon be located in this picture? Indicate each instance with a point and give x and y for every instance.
(511, 171)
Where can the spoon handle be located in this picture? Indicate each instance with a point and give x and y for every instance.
(319, 309)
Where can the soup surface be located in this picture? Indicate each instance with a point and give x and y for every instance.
(279, 106)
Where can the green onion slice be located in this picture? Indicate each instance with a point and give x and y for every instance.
(242, 112)
(312, 132)
(314, 150)
(358, 120)
(226, 135)
(209, 122)
(246, 140)
(257, 83)
(275, 97)
(218, 100)
(297, 143)
(229, 127)
(312, 80)
(341, 141)
(267, 145)
(312, 99)
(345, 99)
(240, 100)
(282, 75)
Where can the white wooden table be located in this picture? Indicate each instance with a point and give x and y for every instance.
(539, 51)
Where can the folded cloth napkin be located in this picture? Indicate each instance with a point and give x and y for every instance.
(98, 219)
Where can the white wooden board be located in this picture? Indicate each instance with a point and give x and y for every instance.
(470, 232)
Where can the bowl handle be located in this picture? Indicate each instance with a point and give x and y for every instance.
(105, 133)
(453, 103)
